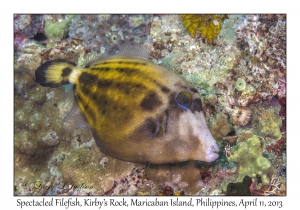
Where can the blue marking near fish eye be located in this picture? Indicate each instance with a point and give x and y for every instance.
(181, 106)
(185, 99)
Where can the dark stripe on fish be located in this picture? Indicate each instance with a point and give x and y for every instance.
(150, 101)
(87, 78)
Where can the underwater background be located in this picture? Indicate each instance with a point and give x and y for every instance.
(236, 62)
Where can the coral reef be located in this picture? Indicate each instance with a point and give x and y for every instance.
(263, 40)
(28, 25)
(86, 165)
(268, 120)
(250, 160)
(106, 33)
(136, 183)
(275, 187)
(208, 25)
(185, 177)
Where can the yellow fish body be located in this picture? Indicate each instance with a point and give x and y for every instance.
(138, 111)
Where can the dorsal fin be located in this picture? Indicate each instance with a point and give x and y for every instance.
(89, 59)
(128, 50)
(140, 51)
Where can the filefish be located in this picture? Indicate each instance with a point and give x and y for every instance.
(138, 111)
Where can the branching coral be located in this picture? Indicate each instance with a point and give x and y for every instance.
(250, 161)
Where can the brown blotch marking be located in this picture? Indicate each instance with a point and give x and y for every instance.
(104, 83)
(148, 127)
(194, 90)
(197, 105)
(150, 101)
(101, 100)
(165, 89)
(86, 90)
(87, 78)
(66, 72)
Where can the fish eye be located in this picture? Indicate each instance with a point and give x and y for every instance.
(184, 99)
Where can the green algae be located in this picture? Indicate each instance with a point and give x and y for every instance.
(58, 30)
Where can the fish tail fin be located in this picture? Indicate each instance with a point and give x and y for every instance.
(54, 73)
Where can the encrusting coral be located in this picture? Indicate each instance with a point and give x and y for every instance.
(250, 160)
(220, 126)
(268, 120)
(208, 25)
(240, 84)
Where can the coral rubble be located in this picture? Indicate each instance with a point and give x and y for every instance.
(106, 33)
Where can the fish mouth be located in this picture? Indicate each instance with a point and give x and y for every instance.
(212, 157)
(213, 153)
